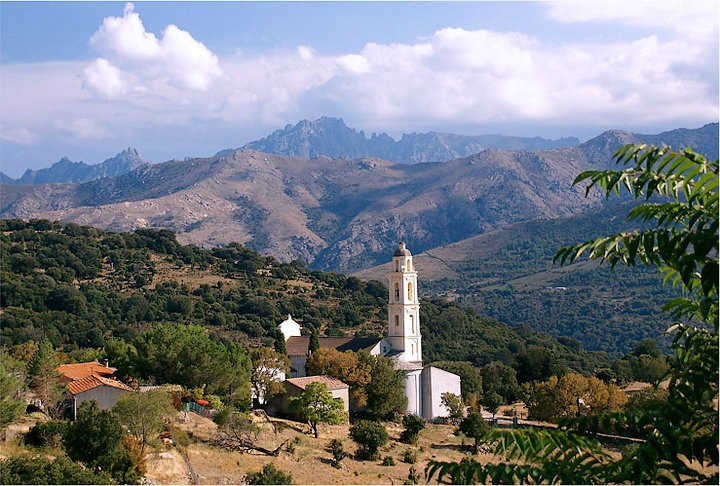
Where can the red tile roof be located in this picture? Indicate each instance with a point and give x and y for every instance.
(94, 381)
(77, 371)
(331, 383)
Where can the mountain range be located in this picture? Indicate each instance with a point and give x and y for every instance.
(338, 214)
(67, 171)
(332, 138)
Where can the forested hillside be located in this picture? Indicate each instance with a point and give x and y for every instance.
(509, 274)
(80, 287)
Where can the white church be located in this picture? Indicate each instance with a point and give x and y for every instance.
(424, 385)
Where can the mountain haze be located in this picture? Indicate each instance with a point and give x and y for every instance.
(335, 213)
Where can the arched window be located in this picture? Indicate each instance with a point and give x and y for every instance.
(397, 265)
(412, 349)
(397, 291)
(410, 291)
(397, 320)
(412, 323)
(408, 266)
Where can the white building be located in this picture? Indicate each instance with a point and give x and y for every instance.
(423, 385)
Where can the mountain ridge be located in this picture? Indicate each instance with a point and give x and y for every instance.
(330, 137)
(67, 171)
(336, 214)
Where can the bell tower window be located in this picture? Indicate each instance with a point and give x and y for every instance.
(397, 291)
(410, 291)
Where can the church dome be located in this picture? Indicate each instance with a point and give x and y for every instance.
(402, 251)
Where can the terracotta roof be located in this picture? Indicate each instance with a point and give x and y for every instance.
(298, 345)
(77, 371)
(94, 381)
(331, 383)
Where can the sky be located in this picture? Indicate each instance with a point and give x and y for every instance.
(86, 80)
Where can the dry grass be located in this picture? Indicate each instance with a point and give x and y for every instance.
(307, 458)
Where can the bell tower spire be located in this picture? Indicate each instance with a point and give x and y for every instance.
(404, 308)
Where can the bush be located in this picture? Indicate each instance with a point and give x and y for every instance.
(413, 476)
(26, 469)
(410, 456)
(268, 475)
(413, 425)
(369, 436)
(46, 434)
(336, 448)
(388, 461)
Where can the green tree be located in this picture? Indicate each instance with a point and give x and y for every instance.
(535, 363)
(682, 242)
(29, 469)
(279, 343)
(95, 438)
(370, 436)
(347, 367)
(475, 427)
(413, 425)
(317, 405)
(314, 341)
(385, 391)
(44, 378)
(454, 405)
(269, 475)
(11, 408)
(187, 355)
(268, 367)
(145, 414)
(500, 385)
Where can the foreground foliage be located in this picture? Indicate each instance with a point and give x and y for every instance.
(680, 433)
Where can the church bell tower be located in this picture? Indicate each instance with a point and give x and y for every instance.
(404, 309)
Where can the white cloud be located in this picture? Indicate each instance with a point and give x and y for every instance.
(686, 17)
(104, 79)
(134, 60)
(83, 128)
(18, 135)
(144, 91)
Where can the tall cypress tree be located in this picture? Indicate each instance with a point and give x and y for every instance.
(279, 344)
(314, 341)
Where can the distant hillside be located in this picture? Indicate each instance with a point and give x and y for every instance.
(67, 171)
(508, 274)
(336, 214)
(330, 137)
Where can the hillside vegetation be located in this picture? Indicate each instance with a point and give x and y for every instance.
(80, 286)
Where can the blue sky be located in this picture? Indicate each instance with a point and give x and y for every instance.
(175, 79)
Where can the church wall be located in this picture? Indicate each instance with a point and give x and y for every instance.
(435, 382)
(413, 391)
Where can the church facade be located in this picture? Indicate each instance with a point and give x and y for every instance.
(424, 385)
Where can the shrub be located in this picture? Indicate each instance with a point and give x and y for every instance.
(413, 425)
(336, 448)
(388, 461)
(369, 436)
(268, 475)
(46, 434)
(410, 456)
(413, 476)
